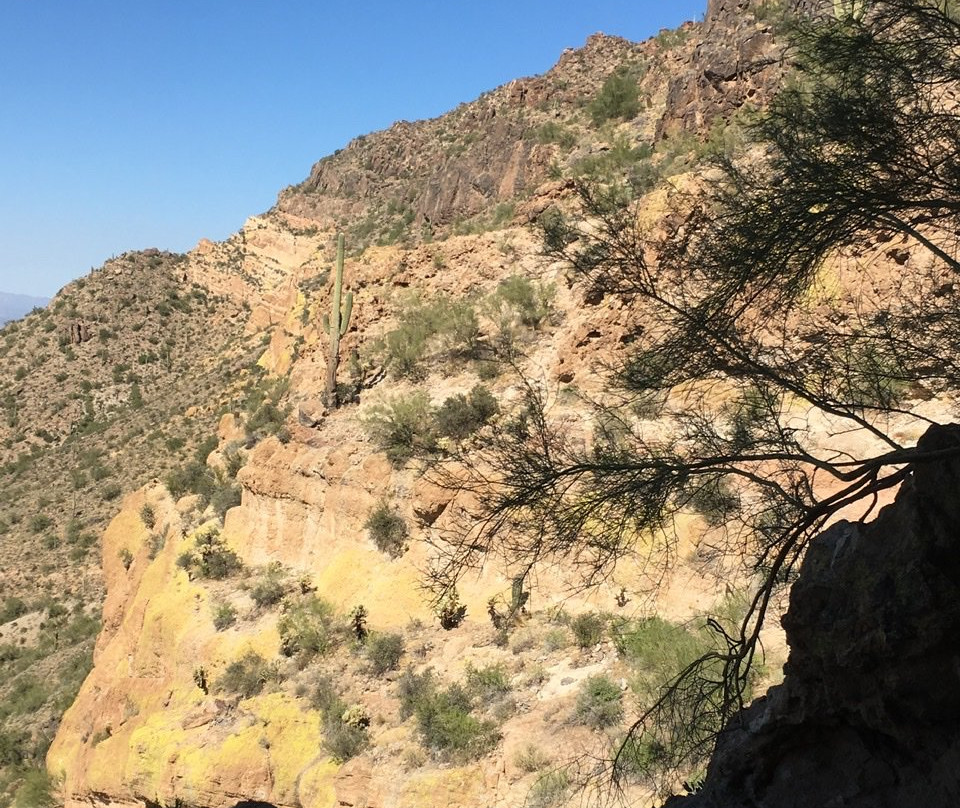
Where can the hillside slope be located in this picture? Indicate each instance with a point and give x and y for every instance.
(233, 663)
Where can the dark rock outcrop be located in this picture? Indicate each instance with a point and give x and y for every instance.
(868, 715)
(737, 60)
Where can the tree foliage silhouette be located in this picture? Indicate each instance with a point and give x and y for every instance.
(858, 156)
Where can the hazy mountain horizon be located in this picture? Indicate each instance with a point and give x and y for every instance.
(14, 306)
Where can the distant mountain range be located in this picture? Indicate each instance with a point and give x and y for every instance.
(13, 307)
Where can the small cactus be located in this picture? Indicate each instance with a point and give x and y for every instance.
(336, 326)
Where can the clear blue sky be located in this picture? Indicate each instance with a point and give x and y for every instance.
(144, 123)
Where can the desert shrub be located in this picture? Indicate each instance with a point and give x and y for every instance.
(587, 629)
(442, 328)
(267, 419)
(549, 790)
(387, 529)
(341, 739)
(13, 607)
(656, 648)
(210, 557)
(599, 703)
(39, 523)
(233, 460)
(308, 626)
(413, 689)
(447, 726)
(461, 415)
(344, 728)
(224, 497)
(36, 790)
(384, 652)
(247, 676)
(489, 683)
(556, 638)
(271, 587)
(553, 132)
(531, 759)
(517, 304)
(459, 330)
(406, 346)
(110, 492)
(403, 427)
(224, 615)
(638, 757)
(619, 97)
(13, 747)
(148, 516)
(155, 543)
(28, 696)
(193, 478)
(624, 159)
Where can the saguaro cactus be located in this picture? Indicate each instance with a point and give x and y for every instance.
(336, 325)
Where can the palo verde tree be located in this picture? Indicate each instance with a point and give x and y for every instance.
(742, 351)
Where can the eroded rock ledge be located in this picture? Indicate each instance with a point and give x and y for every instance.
(867, 715)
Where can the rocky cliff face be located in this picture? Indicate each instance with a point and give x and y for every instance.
(866, 715)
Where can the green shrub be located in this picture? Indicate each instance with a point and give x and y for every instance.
(587, 629)
(13, 607)
(599, 703)
(194, 478)
(531, 759)
(462, 415)
(110, 492)
(148, 516)
(656, 649)
(406, 345)
(272, 586)
(515, 305)
(553, 132)
(489, 683)
(447, 726)
(224, 497)
(13, 747)
(343, 740)
(344, 728)
(36, 790)
(619, 97)
(549, 790)
(224, 615)
(210, 558)
(414, 689)
(640, 758)
(388, 530)
(39, 523)
(555, 639)
(308, 626)
(384, 652)
(441, 328)
(403, 427)
(247, 676)
(459, 330)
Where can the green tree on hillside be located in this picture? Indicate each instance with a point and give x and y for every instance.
(859, 156)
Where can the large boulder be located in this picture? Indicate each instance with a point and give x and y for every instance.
(868, 714)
